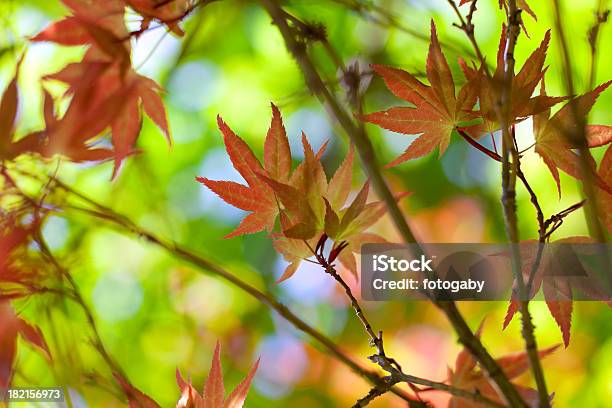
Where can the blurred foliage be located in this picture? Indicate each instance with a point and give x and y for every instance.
(156, 314)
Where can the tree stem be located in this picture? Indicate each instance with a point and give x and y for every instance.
(368, 159)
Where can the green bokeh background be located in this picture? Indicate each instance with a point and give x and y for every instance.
(157, 314)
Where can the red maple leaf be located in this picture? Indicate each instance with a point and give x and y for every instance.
(437, 109)
(214, 389)
(106, 93)
(522, 103)
(10, 327)
(135, 397)
(552, 133)
(9, 147)
(13, 238)
(100, 25)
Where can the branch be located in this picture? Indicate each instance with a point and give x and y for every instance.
(75, 295)
(374, 393)
(556, 220)
(107, 214)
(368, 159)
(478, 146)
(467, 27)
(476, 397)
(389, 364)
(510, 170)
(128, 226)
(601, 17)
(577, 136)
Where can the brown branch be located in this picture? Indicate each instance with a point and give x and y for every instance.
(467, 27)
(107, 214)
(541, 228)
(375, 392)
(389, 364)
(556, 220)
(510, 171)
(476, 397)
(368, 159)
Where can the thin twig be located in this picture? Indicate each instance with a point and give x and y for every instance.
(107, 214)
(510, 171)
(75, 295)
(478, 146)
(387, 363)
(576, 135)
(381, 16)
(368, 159)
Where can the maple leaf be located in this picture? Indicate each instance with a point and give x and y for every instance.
(557, 291)
(344, 224)
(106, 92)
(437, 109)
(214, 389)
(9, 148)
(99, 25)
(467, 376)
(10, 327)
(102, 98)
(522, 103)
(70, 135)
(551, 136)
(257, 196)
(604, 197)
(302, 195)
(136, 398)
(306, 203)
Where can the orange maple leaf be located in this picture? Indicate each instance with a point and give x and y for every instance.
(437, 109)
(523, 104)
(306, 203)
(256, 196)
(214, 389)
(557, 292)
(551, 135)
(106, 92)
